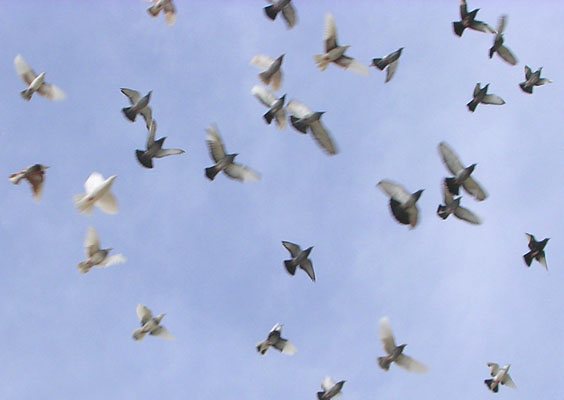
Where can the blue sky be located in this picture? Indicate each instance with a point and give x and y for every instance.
(209, 254)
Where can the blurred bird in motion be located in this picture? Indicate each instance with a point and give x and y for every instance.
(151, 325)
(272, 74)
(402, 203)
(499, 375)
(390, 61)
(532, 79)
(139, 105)
(36, 83)
(302, 118)
(481, 95)
(330, 389)
(97, 257)
(97, 194)
(498, 46)
(167, 7)
(154, 149)
(468, 20)
(299, 258)
(536, 251)
(275, 340)
(395, 353)
(275, 106)
(288, 11)
(35, 175)
(452, 206)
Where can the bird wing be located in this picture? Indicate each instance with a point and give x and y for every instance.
(241, 173)
(476, 90)
(289, 14)
(265, 96)
(482, 27)
(531, 239)
(447, 195)
(307, 266)
(327, 384)
(262, 61)
(493, 99)
(297, 109)
(395, 191)
(91, 242)
(151, 136)
(413, 213)
(293, 248)
(162, 332)
(467, 215)
(37, 181)
(494, 368)
(330, 33)
(528, 72)
(132, 95)
(288, 348)
(463, 9)
(168, 152)
(94, 180)
(507, 381)
(215, 144)
(450, 159)
(108, 203)
(322, 137)
(472, 187)
(143, 313)
(169, 13)
(386, 335)
(52, 92)
(501, 24)
(112, 260)
(350, 64)
(541, 258)
(391, 70)
(147, 114)
(280, 117)
(410, 364)
(507, 55)
(24, 70)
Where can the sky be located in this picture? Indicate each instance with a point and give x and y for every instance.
(209, 254)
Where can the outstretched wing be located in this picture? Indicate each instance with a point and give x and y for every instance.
(507, 381)
(493, 99)
(112, 260)
(410, 364)
(321, 135)
(24, 70)
(132, 95)
(507, 55)
(241, 173)
(289, 14)
(215, 144)
(391, 70)
(467, 215)
(350, 64)
(386, 335)
(143, 313)
(330, 33)
(395, 191)
(293, 248)
(92, 242)
(450, 158)
(265, 97)
(472, 187)
(162, 332)
(494, 368)
(297, 109)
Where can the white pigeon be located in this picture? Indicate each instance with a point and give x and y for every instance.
(36, 83)
(97, 194)
(151, 325)
(167, 7)
(96, 256)
(499, 375)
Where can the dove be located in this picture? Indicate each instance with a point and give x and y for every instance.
(35, 175)
(299, 258)
(97, 194)
(36, 83)
(335, 53)
(167, 6)
(537, 251)
(468, 21)
(532, 79)
(499, 375)
(402, 203)
(275, 340)
(154, 149)
(461, 174)
(498, 46)
(275, 106)
(303, 118)
(288, 11)
(225, 162)
(390, 61)
(272, 74)
(395, 353)
(151, 325)
(139, 105)
(330, 389)
(96, 256)
(481, 96)
(452, 206)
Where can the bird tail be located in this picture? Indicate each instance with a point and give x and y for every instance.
(526, 89)
(154, 11)
(138, 335)
(82, 206)
(290, 267)
(130, 113)
(452, 186)
(441, 212)
(262, 347)
(377, 62)
(492, 51)
(26, 94)
(320, 395)
(488, 383)
(268, 116)
(299, 126)
(83, 267)
(16, 178)
(321, 61)
(528, 258)
(472, 105)
(458, 28)
(265, 77)
(211, 172)
(385, 365)
(271, 12)
(147, 162)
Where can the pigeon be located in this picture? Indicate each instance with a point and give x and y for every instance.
(35, 175)
(154, 149)
(275, 106)
(330, 389)
(302, 118)
(299, 258)
(461, 174)
(402, 203)
(167, 6)
(395, 353)
(225, 162)
(498, 46)
(499, 375)
(452, 206)
(97, 194)
(335, 53)
(96, 256)
(36, 83)
(480, 96)
(139, 105)
(272, 74)
(288, 11)
(468, 21)
(275, 340)
(532, 79)
(151, 325)
(537, 251)
(390, 61)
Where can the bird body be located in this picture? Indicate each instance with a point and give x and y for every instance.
(35, 175)
(452, 206)
(272, 74)
(36, 83)
(299, 258)
(275, 106)
(500, 376)
(97, 194)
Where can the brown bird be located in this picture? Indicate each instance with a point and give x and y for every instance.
(35, 175)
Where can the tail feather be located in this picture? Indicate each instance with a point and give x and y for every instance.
(526, 89)
(290, 267)
(138, 335)
(452, 186)
(321, 61)
(320, 395)
(383, 363)
(130, 113)
(82, 206)
(528, 258)
(377, 62)
(26, 94)
(145, 161)
(492, 51)
(458, 28)
(83, 267)
(472, 105)
(262, 348)
(441, 212)
(488, 383)
(268, 116)
(271, 12)
(296, 124)
(211, 172)
(265, 77)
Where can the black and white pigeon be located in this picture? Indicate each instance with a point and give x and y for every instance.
(299, 258)
(452, 206)
(35, 175)
(302, 118)
(139, 105)
(288, 11)
(536, 251)
(402, 203)
(272, 74)
(275, 106)
(395, 353)
(461, 174)
(275, 340)
(36, 83)
(532, 79)
(498, 46)
(481, 95)
(468, 20)
(390, 61)
(330, 389)
(154, 149)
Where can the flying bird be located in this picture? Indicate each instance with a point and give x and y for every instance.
(272, 74)
(299, 258)
(499, 375)
(151, 325)
(330, 389)
(167, 7)
(225, 162)
(302, 118)
(402, 203)
(481, 96)
(461, 174)
(154, 149)
(35, 175)
(395, 353)
(390, 61)
(96, 256)
(335, 53)
(275, 340)
(452, 206)
(536, 251)
(139, 105)
(468, 20)
(498, 46)
(36, 83)
(532, 79)
(288, 11)
(97, 194)
(275, 106)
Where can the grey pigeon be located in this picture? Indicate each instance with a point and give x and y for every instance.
(499, 375)
(532, 79)
(498, 46)
(468, 20)
(36, 83)
(154, 149)
(461, 174)
(481, 95)
(536, 251)
(452, 206)
(151, 325)
(139, 105)
(330, 389)
(299, 258)
(97, 257)
(390, 61)
(167, 7)
(302, 118)
(272, 74)
(275, 106)
(288, 11)
(225, 162)
(275, 340)
(402, 203)
(35, 175)
(395, 353)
